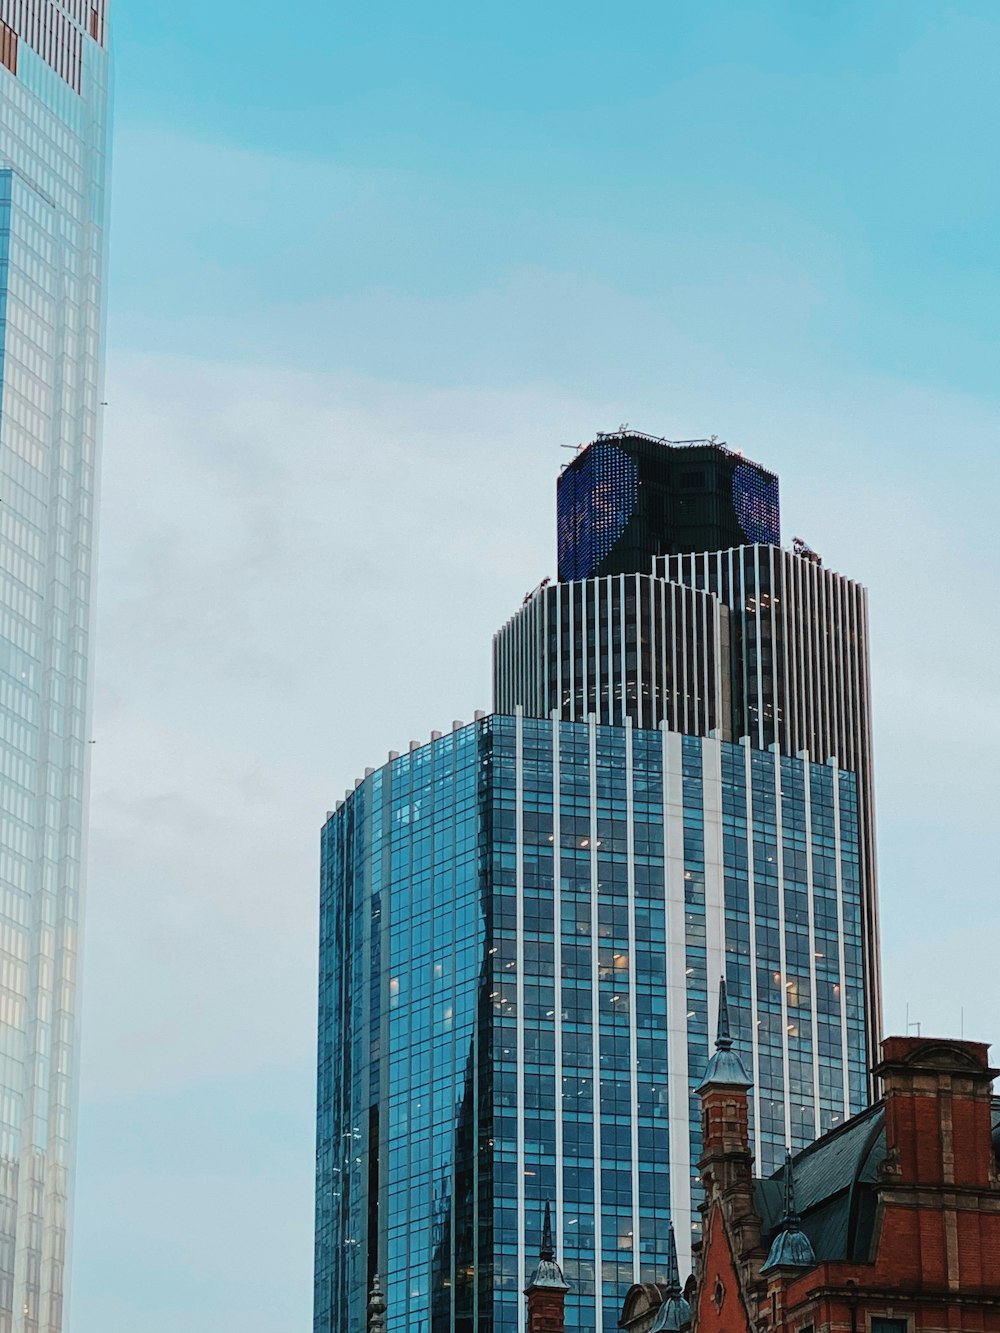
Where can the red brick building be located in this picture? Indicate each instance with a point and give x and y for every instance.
(891, 1223)
(888, 1224)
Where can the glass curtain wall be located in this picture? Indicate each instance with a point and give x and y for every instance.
(523, 928)
(53, 139)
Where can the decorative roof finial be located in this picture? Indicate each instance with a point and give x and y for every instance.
(548, 1274)
(725, 1067)
(673, 1269)
(675, 1312)
(791, 1216)
(723, 1037)
(791, 1247)
(376, 1307)
(548, 1247)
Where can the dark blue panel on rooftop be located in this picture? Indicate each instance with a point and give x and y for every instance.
(755, 499)
(595, 502)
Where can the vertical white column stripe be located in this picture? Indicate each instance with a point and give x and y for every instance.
(739, 596)
(866, 830)
(811, 897)
(571, 650)
(759, 737)
(782, 944)
(639, 627)
(822, 639)
(584, 651)
(519, 956)
(706, 631)
(752, 913)
(595, 1018)
(790, 700)
(620, 716)
(837, 647)
(715, 895)
(680, 637)
(841, 947)
(657, 711)
(557, 968)
(595, 649)
(669, 712)
(678, 1075)
(633, 1018)
(557, 703)
(545, 704)
(611, 675)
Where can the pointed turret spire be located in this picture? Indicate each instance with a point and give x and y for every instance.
(675, 1312)
(673, 1269)
(791, 1247)
(723, 1039)
(725, 1066)
(790, 1215)
(548, 1275)
(548, 1247)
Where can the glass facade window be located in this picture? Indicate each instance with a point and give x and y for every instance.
(523, 928)
(53, 131)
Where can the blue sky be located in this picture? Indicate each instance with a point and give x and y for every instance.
(689, 156)
(371, 266)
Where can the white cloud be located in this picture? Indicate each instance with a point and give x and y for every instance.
(297, 574)
(301, 571)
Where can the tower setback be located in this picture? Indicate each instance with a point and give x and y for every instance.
(524, 924)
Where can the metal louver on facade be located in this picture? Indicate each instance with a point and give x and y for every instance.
(624, 646)
(801, 681)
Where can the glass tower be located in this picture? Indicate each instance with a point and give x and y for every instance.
(523, 928)
(53, 153)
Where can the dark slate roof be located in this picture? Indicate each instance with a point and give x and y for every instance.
(835, 1180)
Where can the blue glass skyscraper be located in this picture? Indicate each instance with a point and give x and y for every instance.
(524, 923)
(53, 150)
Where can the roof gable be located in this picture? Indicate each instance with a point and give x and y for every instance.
(720, 1303)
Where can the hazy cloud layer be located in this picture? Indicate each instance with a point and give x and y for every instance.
(405, 262)
(302, 571)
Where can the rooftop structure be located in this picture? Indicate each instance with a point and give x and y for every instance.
(628, 497)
